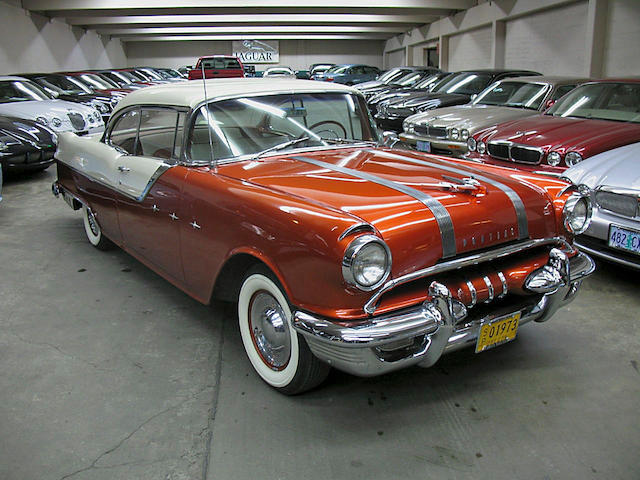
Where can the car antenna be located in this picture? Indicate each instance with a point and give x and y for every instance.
(206, 107)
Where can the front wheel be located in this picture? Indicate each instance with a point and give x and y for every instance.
(92, 229)
(277, 353)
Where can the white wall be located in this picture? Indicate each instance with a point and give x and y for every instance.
(470, 50)
(622, 39)
(297, 54)
(394, 59)
(33, 43)
(551, 42)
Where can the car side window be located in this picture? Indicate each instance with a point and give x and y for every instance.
(561, 91)
(124, 133)
(157, 133)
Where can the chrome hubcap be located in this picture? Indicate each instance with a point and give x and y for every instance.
(92, 223)
(269, 330)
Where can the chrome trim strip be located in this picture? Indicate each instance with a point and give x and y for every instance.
(473, 292)
(358, 227)
(505, 287)
(445, 224)
(489, 285)
(473, 259)
(156, 175)
(518, 204)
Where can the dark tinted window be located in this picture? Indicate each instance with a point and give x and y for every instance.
(562, 91)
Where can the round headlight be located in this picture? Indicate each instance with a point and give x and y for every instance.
(553, 159)
(42, 120)
(482, 147)
(572, 158)
(454, 134)
(366, 263)
(56, 122)
(408, 127)
(576, 214)
(471, 144)
(3, 146)
(464, 134)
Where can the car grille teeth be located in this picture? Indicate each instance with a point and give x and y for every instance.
(429, 131)
(622, 204)
(77, 121)
(515, 153)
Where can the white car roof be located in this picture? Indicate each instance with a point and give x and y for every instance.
(191, 93)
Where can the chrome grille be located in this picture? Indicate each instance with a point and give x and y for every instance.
(399, 112)
(77, 121)
(429, 131)
(626, 205)
(515, 153)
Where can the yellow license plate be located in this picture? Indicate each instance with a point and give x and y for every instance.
(499, 331)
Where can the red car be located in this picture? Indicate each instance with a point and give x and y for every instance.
(217, 66)
(98, 83)
(593, 118)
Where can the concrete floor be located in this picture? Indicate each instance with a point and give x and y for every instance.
(109, 372)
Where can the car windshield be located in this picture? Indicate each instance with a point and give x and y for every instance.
(409, 79)
(154, 75)
(430, 82)
(97, 82)
(514, 94)
(119, 78)
(464, 83)
(339, 69)
(168, 73)
(21, 91)
(392, 75)
(62, 84)
(249, 126)
(279, 71)
(604, 101)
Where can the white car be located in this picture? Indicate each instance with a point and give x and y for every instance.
(279, 72)
(25, 99)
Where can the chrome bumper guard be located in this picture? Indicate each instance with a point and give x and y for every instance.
(420, 336)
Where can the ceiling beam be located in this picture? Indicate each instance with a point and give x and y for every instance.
(173, 38)
(250, 29)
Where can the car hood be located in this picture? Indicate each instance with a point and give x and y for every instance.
(46, 108)
(470, 117)
(26, 131)
(463, 222)
(619, 167)
(424, 100)
(582, 135)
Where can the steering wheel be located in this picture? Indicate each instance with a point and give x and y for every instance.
(329, 129)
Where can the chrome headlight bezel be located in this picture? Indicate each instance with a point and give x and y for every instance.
(464, 134)
(454, 134)
(43, 120)
(572, 158)
(471, 144)
(56, 122)
(481, 147)
(349, 262)
(576, 200)
(554, 159)
(408, 127)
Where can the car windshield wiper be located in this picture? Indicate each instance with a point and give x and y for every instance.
(280, 146)
(340, 141)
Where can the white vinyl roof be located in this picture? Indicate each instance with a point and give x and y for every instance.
(191, 93)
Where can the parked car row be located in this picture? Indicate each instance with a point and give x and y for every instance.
(35, 107)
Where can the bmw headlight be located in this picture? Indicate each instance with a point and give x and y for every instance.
(553, 159)
(482, 147)
(366, 263)
(464, 134)
(572, 158)
(471, 144)
(576, 214)
(454, 134)
(42, 120)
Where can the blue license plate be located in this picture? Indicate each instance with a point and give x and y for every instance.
(423, 146)
(624, 239)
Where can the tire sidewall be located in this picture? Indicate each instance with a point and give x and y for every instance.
(252, 284)
(92, 237)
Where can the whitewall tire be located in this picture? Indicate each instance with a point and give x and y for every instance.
(93, 231)
(277, 353)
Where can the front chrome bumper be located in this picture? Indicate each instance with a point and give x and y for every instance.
(421, 335)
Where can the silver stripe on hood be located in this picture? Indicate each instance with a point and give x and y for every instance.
(518, 204)
(445, 224)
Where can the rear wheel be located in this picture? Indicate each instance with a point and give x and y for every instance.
(278, 354)
(92, 229)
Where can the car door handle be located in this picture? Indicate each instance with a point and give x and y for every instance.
(123, 169)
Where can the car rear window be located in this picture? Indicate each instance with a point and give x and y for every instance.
(221, 63)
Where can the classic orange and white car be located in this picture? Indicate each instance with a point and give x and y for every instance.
(338, 250)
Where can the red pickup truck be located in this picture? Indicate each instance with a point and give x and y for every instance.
(217, 66)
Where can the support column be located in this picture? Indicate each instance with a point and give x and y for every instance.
(597, 17)
(408, 56)
(498, 41)
(443, 43)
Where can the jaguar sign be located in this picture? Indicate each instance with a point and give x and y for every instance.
(257, 51)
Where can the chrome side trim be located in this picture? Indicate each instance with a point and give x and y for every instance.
(473, 292)
(505, 287)
(474, 259)
(156, 175)
(487, 282)
(358, 227)
(518, 204)
(445, 224)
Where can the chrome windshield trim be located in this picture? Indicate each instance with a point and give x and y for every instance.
(474, 259)
(518, 204)
(443, 219)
